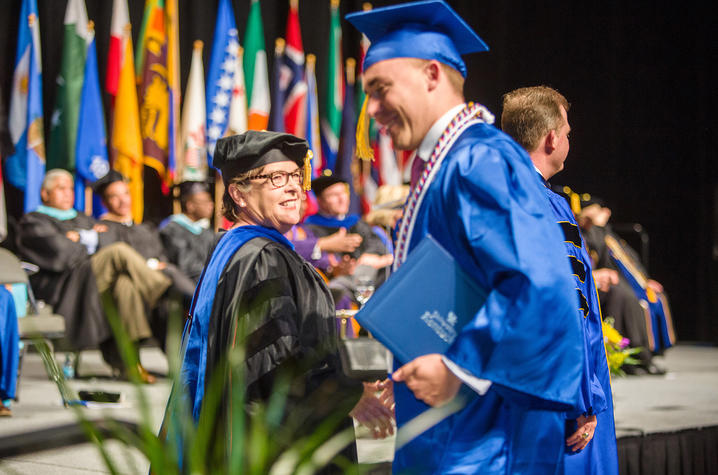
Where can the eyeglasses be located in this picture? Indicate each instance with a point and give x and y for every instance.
(281, 178)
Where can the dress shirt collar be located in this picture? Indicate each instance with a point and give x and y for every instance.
(432, 136)
(540, 174)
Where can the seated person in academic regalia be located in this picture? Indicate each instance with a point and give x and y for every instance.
(386, 211)
(77, 264)
(329, 255)
(9, 350)
(333, 200)
(188, 237)
(144, 238)
(637, 303)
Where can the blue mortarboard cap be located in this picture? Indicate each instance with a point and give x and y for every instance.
(425, 30)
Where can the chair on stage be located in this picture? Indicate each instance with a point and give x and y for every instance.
(36, 321)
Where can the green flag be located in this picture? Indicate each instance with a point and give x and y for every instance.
(63, 128)
(334, 90)
(255, 71)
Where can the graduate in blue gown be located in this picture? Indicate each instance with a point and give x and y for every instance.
(520, 359)
(537, 118)
(9, 349)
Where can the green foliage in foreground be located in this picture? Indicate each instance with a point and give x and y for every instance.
(267, 438)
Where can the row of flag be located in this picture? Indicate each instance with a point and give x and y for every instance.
(144, 86)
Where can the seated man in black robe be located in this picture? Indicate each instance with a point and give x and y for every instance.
(77, 263)
(143, 237)
(372, 257)
(188, 237)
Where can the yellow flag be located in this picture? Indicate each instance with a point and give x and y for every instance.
(173, 84)
(126, 143)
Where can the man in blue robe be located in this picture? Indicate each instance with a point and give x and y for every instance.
(536, 117)
(478, 195)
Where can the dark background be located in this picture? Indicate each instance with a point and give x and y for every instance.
(640, 77)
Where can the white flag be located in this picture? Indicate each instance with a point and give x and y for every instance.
(192, 165)
(238, 106)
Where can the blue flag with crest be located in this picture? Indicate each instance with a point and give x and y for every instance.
(26, 167)
(91, 145)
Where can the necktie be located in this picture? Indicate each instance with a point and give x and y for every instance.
(417, 167)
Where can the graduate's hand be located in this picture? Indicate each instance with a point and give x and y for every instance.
(340, 242)
(605, 278)
(100, 228)
(372, 412)
(429, 379)
(586, 428)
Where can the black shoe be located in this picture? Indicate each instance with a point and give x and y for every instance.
(654, 370)
(634, 370)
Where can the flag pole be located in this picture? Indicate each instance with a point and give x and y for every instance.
(88, 200)
(176, 208)
(218, 193)
(350, 66)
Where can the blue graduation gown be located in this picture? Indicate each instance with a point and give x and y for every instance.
(600, 455)
(487, 208)
(9, 341)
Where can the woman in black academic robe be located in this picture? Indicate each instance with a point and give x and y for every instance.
(256, 293)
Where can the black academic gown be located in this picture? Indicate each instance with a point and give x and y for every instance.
(272, 301)
(287, 316)
(65, 279)
(186, 250)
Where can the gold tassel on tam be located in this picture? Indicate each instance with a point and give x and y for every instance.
(307, 183)
(575, 203)
(364, 150)
(574, 200)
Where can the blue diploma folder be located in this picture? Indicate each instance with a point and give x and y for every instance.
(423, 306)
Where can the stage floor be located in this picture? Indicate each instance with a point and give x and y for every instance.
(685, 397)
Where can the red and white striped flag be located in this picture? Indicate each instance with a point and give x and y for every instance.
(295, 98)
(118, 34)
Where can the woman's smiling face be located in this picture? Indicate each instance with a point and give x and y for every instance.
(270, 206)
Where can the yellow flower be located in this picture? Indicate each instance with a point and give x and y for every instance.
(616, 359)
(611, 335)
